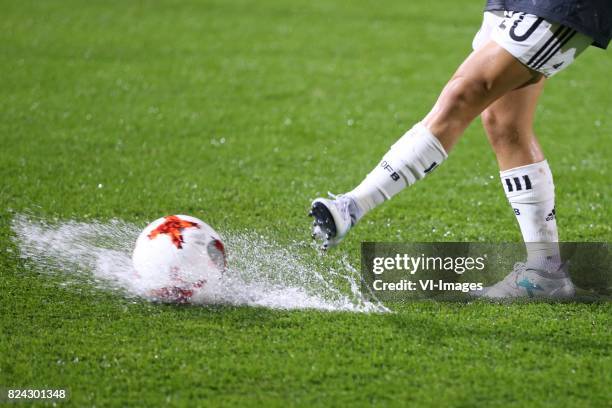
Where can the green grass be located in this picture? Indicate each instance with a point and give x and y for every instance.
(116, 109)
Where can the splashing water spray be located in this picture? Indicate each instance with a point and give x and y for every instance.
(255, 271)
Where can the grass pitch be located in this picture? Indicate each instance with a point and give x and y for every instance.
(240, 112)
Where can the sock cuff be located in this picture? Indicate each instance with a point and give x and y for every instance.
(423, 130)
(532, 183)
(420, 136)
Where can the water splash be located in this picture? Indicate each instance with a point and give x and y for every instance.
(260, 272)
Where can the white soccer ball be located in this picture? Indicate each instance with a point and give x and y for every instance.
(178, 257)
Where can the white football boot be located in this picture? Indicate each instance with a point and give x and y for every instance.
(531, 283)
(333, 218)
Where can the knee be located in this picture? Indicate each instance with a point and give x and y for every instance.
(467, 91)
(502, 130)
(458, 105)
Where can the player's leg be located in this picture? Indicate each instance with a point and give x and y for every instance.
(484, 76)
(508, 123)
(528, 184)
(512, 51)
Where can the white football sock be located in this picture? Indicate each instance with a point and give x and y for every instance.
(531, 193)
(410, 159)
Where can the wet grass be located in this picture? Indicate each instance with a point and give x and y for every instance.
(240, 113)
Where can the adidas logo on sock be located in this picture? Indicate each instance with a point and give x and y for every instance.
(526, 184)
(551, 216)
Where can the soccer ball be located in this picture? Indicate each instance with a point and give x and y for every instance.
(177, 257)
